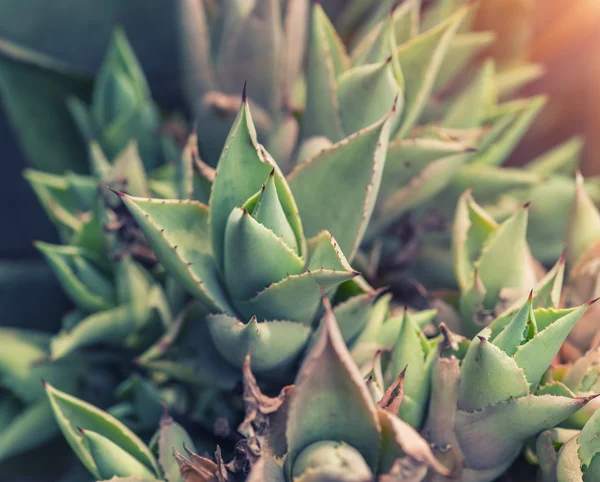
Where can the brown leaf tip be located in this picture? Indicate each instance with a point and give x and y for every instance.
(531, 295)
(81, 431)
(591, 302)
(482, 339)
(244, 97)
(526, 205)
(118, 193)
(44, 382)
(563, 256)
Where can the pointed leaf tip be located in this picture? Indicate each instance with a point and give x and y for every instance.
(118, 193)
(482, 339)
(526, 205)
(81, 431)
(531, 296)
(591, 302)
(244, 98)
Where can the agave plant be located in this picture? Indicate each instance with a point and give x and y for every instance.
(258, 256)
(101, 263)
(486, 424)
(327, 426)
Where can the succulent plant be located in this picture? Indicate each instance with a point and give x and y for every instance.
(259, 256)
(469, 407)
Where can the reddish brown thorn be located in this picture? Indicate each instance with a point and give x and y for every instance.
(118, 193)
(589, 303)
(244, 91)
(526, 205)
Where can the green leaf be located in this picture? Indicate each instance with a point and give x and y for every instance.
(353, 315)
(296, 297)
(198, 76)
(243, 167)
(34, 89)
(111, 460)
(472, 227)
(511, 122)
(330, 400)
(510, 80)
(274, 345)
(365, 95)
(256, 36)
(463, 49)
(321, 186)
(584, 224)
(515, 333)
(561, 159)
(324, 253)
(128, 166)
(172, 436)
(536, 355)
(489, 376)
(327, 60)
(511, 422)
(254, 256)
(32, 427)
(420, 60)
(503, 261)
(179, 234)
(72, 413)
(474, 103)
(269, 213)
(79, 276)
(411, 352)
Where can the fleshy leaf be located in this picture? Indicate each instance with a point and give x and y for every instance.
(33, 426)
(365, 95)
(273, 344)
(561, 159)
(464, 47)
(322, 183)
(584, 224)
(472, 227)
(172, 437)
(507, 243)
(511, 422)
(178, 232)
(296, 297)
(85, 284)
(536, 355)
(512, 122)
(254, 256)
(72, 413)
(489, 376)
(420, 60)
(327, 60)
(269, 212)
(243, 167)
(330, 400)
(474, 103)
(112, 460)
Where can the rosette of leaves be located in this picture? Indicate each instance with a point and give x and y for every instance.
(104, 265)
(485, 401)
(327, 426)
(266, 249)
(570, 455)
(259, 41)
(494, 267)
